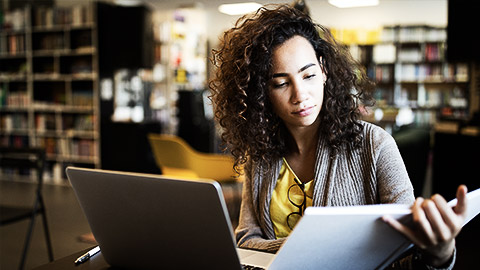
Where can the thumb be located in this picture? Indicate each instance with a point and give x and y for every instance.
(461, 207)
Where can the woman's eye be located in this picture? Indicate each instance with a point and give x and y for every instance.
(279, 85)
(310, 76)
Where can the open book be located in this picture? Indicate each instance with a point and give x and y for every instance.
(353, 237)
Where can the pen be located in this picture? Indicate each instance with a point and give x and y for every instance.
(87, 255)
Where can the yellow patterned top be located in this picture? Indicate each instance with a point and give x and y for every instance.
(280, 205)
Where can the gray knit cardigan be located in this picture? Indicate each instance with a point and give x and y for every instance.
(371, 174)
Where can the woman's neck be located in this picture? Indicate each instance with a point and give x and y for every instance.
(302, 142)
(303, 139)
(302, 148)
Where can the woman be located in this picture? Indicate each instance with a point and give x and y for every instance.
(288, 99)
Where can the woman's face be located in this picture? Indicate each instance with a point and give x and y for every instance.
(296, 88)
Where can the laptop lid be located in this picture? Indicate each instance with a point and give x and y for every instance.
(147, 221)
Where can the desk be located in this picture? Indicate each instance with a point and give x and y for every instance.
(96, 262)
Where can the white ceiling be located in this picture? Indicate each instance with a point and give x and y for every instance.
(388, 12)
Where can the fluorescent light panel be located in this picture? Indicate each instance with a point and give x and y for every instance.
(239, 8)
(128, 3)
(353, 3)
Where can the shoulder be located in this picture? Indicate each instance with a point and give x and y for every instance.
(376, 138)
(375, 134)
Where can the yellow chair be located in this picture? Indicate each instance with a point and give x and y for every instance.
(177, 158)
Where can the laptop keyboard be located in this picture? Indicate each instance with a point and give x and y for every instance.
(251, 267)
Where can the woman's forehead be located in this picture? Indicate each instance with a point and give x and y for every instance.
(293, 53)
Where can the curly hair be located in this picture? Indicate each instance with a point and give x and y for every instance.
(240, 93)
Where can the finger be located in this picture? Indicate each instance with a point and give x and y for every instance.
(461, 207)
(421, 222)
(441, 231)
(405, 230)
(448, 215)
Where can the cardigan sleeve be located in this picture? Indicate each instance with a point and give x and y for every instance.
(394, 186)
(248, 232)
(393, 183)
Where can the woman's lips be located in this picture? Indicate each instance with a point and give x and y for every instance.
(304, 112)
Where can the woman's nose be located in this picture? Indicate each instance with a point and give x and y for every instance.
(299, 93)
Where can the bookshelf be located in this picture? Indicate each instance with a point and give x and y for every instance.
(408, 64)
(163, 95)
(49, 85)
(180, 60)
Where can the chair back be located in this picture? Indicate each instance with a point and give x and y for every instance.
(177, 158)
(24, 158)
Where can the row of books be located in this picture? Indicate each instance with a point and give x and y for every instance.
(15, 20)
(45, 122)
(424, 98)
(431, 72)
(383, 73)
(383, 96)
(432, 98)
(48, 41)
(387, 53)
(68, 148)
(78, 64)
(54, 16)
(83, 98)
(76, 122)
(425, 117)
(78, 40)
(15, 99)
(410, 55)
(17, 141)
(434, 52)
(13, 122)
(12, 44)
(417, 34)
(19, 19)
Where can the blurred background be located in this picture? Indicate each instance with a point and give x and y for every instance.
(88, 80)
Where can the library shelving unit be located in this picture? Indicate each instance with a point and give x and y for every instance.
(180, 54)
(409, 67)
(163, 98)
(49, 85)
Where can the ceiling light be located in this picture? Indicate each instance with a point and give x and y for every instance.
(239, 8)
(353, 3)
(128, 3)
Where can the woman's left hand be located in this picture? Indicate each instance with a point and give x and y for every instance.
(435, 226)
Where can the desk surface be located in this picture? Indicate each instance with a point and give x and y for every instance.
(95, 262)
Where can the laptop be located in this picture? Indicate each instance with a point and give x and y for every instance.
(143, 221)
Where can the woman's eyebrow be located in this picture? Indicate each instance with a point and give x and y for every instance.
(305, 67)
(300, 70)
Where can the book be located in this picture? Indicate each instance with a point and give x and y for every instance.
(352, 237)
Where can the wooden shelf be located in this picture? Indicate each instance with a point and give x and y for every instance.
(412, 71)
(56, 79)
